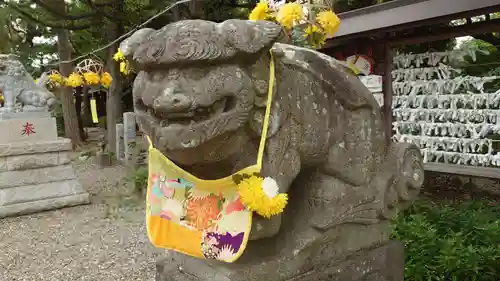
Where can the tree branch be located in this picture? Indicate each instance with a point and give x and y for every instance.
(29, 17)
(64, 16)
(100, 10)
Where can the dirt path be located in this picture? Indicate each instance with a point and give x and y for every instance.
(106, 240)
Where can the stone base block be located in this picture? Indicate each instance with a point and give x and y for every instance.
(38, 176)
(28, 130)
(23, 148)
(383, 263)
(42, 191)
(44, 205)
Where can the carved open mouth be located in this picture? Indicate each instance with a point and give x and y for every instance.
(193, 115)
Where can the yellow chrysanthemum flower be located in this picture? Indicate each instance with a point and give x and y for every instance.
(290, 14)
(91, 78)
(56, 78)
(124, 67)
(329, 22)
(74, 80)
(118, 56)
(261, 196)
(260, 12)
(106, 80)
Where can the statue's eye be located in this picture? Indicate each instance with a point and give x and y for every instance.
(156, 76)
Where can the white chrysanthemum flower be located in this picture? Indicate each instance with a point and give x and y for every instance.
(226, 253)
(233, 223)
(174, 207)
(270, 187)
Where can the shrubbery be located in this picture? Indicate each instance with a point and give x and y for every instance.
(458, 242)
(138, 180)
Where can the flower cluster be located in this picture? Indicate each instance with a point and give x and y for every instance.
(262, 196)
(298, 21)
(76, 80)
(124, 65)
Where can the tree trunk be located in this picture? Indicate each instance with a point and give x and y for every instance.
(113, 102)
(86, 114)
(71, 128)
(78, 109)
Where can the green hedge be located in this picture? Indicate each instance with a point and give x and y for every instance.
(458, 242)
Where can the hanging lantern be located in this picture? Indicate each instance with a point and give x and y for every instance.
(89, 65)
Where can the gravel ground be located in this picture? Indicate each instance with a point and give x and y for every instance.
(105, 240)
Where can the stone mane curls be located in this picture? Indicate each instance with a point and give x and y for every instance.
(198, 41)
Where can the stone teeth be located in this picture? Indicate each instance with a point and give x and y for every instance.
(188, 144)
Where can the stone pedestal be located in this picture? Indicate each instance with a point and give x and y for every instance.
(36, 173)
(382, 263)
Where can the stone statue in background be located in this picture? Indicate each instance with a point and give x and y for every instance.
(200, 94)
(37, 174)
(17, 85)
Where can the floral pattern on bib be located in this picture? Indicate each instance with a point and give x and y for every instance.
(220, 217)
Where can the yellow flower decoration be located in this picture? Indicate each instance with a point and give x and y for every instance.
(261, 195)
(311, 29)
(329, 22)
(124, 67)
(91, 78)
(290, 14)
(74, 80)
(118, 56)
(315, 35)
(106, 80)
(56, 78)
(260, 12)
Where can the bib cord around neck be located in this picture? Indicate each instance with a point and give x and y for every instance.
(267, 116)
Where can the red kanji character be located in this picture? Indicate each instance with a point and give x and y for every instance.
(28, 129)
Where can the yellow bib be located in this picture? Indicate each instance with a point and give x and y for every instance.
(200, 218)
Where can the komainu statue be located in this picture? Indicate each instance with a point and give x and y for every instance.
(18, 86)
(201, 93)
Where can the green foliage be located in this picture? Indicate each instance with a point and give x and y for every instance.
(220, 10)
(450, 242)
(486, 63)
(138, 180)
(57, 112)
